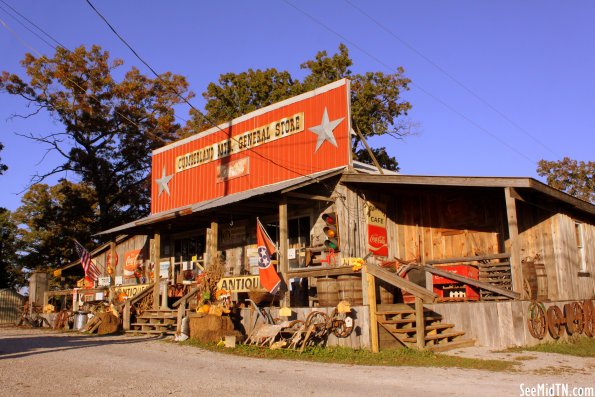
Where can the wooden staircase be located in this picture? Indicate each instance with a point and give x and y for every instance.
(155, 322)
(399, 321)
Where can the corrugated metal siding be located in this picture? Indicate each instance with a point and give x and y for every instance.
(286, 158)
(11, 304)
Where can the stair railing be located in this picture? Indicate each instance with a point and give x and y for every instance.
(147, 293)
(181, 304)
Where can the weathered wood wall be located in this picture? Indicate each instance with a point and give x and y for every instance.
(138, 242)
(359, 338)
(493, 324)
(445, 224)
(570, 284)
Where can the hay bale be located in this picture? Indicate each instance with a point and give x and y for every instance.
(110, 324)
(209, 328)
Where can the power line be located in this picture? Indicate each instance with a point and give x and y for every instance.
(419, 87)
(192, 106)
(139, 57)
(450, 76)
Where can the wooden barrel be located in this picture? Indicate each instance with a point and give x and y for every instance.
(350, 289)
(385, 292)
(328, 292)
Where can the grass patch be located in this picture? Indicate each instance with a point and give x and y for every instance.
(577, 346)
(343, 355)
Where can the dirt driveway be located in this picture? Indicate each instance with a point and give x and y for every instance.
(34, 363)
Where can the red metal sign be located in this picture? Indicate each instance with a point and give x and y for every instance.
(290, 139)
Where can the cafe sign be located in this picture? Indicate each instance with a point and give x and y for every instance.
(377, 236)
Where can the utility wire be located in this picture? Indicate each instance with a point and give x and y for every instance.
(41, 56)
(419, 87)
(139, 57)
(25, 26)
(450, 76)
(293, 170)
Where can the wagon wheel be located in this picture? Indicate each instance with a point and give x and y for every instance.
(536, 322)
(319, 320)
(341, 324)
(588, 317)
(576, 310)
(555, 320)
(574, 318)
(287, 333)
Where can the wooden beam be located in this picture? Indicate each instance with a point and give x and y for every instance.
(361, 136)
(113, 257)
(460, 181)
(469, 259)
(320, 272)
(371, 280)
(283, 248)
(420, 324)
(471, 281)
(400, 282)
(515, 247)
(309, 196)
(212, 236)
(156, 259)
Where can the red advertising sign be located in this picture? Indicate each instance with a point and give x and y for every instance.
(131, 262)
(377, 237)
(299, 136)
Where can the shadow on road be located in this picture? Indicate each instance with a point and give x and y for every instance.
(15, 346)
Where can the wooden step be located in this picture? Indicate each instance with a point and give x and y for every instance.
(457, 344)
(408, 320)
(137, 331)
(156, 317)
(435, 327)
(430, 328)
(153, 325)
(436, 336)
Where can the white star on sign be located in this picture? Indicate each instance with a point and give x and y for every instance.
(325, 130)
(163, 181)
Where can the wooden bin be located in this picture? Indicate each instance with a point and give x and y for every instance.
(350, 289)
(327, 290)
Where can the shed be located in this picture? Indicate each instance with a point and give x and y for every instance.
(11, 305)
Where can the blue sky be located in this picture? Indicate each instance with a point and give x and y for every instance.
(521, 82)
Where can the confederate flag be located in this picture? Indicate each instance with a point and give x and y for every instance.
(269, 278)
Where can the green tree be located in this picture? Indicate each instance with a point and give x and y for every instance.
(3, 167)
(11, 275)
(570, 176)
(376, 104)
(49, 218)
(109, 128)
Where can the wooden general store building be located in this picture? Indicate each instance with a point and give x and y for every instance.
(506, 240)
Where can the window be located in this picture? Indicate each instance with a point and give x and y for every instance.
(578, 231)
(186, 248)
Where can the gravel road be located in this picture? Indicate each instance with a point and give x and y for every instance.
(38, 362)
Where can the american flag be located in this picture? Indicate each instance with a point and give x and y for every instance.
(91, 271)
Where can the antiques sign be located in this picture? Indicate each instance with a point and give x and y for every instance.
(377, 238)
(130, 290)
(240, 284)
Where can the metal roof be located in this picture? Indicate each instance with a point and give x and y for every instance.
(519, 183)
(284, 186)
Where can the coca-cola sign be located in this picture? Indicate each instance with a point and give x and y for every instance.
(377, 236)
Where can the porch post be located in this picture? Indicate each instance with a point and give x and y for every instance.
(283, 248)
(515, 248)
(157, 268)
(212, 236)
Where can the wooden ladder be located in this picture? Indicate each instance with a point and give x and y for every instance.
(399, 320)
